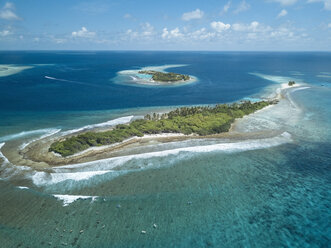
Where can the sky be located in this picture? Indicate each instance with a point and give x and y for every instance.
(215, 25)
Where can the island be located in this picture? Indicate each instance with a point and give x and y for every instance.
(291, 83)
(196, 120)
(165, 76)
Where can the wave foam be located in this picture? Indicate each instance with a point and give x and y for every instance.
(50, 133)
(88, 170)
(26, 133)
(43, 178)
(22, 187)
(68, 199)
(1, 154)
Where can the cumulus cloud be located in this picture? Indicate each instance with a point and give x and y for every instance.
(147, 29)
(253, 26)
(282, 13)
(127, 16)
(243, 6)
(285, 2)
(201, 34)
(175, 33)
(5, 33)
(226, 7)
(83, 33)
(196, 14)
(220, 26)
(7, 12)
(327, 3)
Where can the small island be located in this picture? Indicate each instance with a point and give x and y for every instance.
(154, 76)
(198, 120)
(291, 83)
(166, 76)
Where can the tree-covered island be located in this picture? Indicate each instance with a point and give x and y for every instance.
(291, 83)
(166, 76)
(186, 120)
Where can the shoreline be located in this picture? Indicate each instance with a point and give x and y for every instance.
(138, 81)
(36, 153)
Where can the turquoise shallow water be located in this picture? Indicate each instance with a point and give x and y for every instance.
(271, 196)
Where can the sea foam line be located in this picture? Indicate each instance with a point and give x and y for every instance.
(1, 154)
(68, 199)
(51, 132)
(44, 178)
(88, 170)
(25, 133)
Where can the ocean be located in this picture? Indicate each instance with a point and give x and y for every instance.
(271, 191)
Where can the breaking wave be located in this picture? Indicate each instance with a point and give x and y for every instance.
(68, 199)
(26, 134)
(86, 171)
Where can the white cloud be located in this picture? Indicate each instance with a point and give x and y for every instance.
(127, 16)
(9, 5)
(283, 33)
(83, 33)
(220, 26)
(175, 33)
(5, 33)
(244, 27)
(254, 27)
(147, 29)
(329, 25)
(285, 2)
(196, 14)
(7, 12)
(226, 7)
(282, 13)
(243, 6)
(327, 3)
(179, 35)
(201, 34)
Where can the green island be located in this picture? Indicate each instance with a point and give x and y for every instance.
(200, 120)
(166, 76)
(291, 83)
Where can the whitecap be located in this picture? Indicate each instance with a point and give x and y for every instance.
(68, 199)
(43, 178)
(87, 170)
(50, 133)
(26, 133)
(22, 187)
(1, 154)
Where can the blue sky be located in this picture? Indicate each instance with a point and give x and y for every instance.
(246, 25)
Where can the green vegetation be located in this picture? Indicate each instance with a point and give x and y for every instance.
(291, 83)
(166, 76)
(187, 120)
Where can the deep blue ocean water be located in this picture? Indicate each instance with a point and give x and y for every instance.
(268, 197)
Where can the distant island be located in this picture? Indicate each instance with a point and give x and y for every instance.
(166, 76)
(291, 83)
(198, 120)
(154, 76)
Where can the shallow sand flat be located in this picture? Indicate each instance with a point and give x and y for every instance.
(8, 70)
